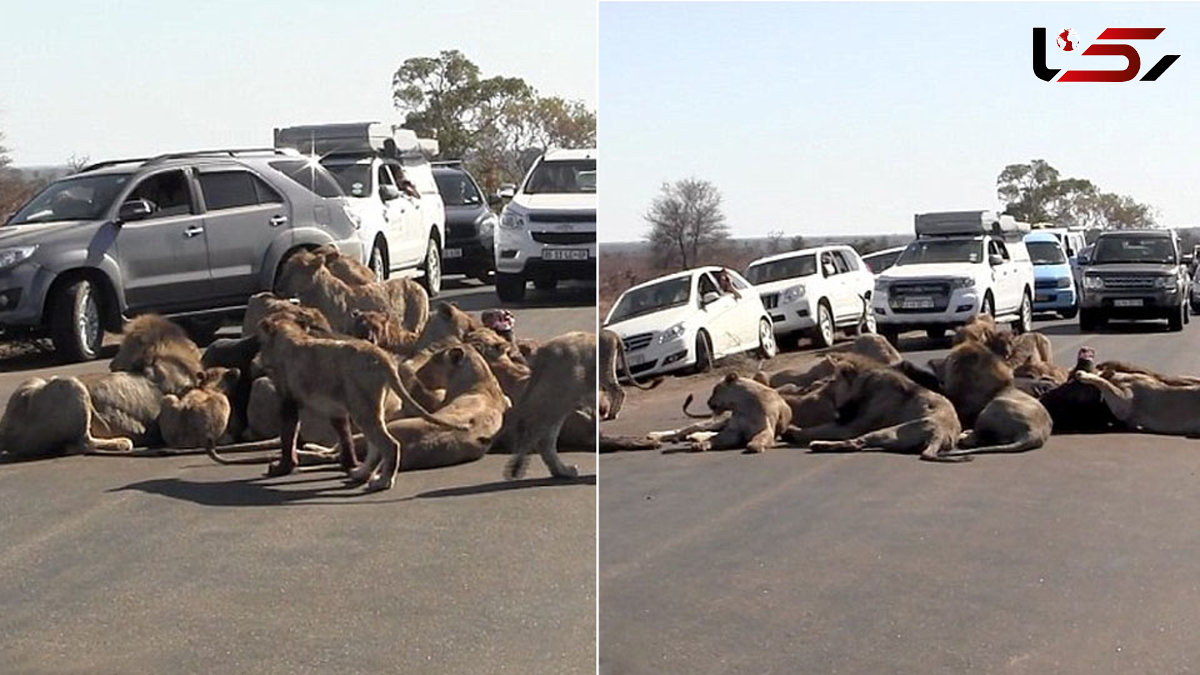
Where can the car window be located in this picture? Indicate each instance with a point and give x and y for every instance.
(562, 176)
(310, 176)
(839, 260)
(707, 284)
(457, 189)
(828, 267)
(228, 189)
(266, 193)
(167, 192)
(783, 268)
(83, 197)
(738, 282)
(850, 260)
(880, 262)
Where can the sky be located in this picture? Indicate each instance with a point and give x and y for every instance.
(131, 78)
(821, 118)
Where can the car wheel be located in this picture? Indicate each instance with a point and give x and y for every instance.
(432, 267)
(988, 307)
(823, 335)
(1069, 313)
(545, 284)
(1087, 320)
(935, 333)
(1024, 322)
(510, 287)
(75, 326)
(767, 348)
(1175, 321)
(704, 355)
(378, 262)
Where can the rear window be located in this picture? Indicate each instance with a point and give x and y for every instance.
(228, 190)
(309, 175)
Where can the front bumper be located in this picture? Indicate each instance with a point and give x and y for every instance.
(655, 358)
(1140, 304)
(466, 254)
(23, 291)
(1051, 299)
(556, 251)
(793, 317)
(961, 305)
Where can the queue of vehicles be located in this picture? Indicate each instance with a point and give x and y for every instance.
(960, 264)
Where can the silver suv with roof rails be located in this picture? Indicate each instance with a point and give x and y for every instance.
(190, 235)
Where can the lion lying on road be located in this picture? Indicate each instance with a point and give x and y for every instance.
(757, 415)
(198, 418)
(1146, 402)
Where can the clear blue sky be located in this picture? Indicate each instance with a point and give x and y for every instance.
(817, 118)
(114, 79)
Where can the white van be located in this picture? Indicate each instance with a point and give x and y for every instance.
(962, 263)
(386, 174)
(814, 291)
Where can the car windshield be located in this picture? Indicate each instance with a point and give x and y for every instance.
(1134, 249)
(309, 175)
(80, 198)
(355, 179)
(924, 251)
(880, 262)
(787, 268)
(457, 189)
(1045, 253)
(652, 298)
(562, 177)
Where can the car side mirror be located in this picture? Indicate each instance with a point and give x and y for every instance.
(389, 192)
(135, 209)
(995, 260)
(506, 192)
(495, 201)
(709, 298)
(1083, 260)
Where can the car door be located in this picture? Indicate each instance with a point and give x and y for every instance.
(720, 317)
(858, 284)
(242, 216)
(398, 213)
(848, 305)
(164, 256)
(749, 311)
(1008, 293)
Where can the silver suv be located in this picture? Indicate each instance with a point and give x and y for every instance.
(190, 235)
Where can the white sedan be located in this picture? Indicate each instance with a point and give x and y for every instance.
(689, 320)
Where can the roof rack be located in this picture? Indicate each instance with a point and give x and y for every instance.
(112, 162)
(224, 152)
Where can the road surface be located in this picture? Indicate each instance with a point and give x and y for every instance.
(175, 565)
(1080, 557)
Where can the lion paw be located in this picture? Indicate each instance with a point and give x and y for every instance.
(515, 468)
(278, 468)
(567, 471)
(359, 475)
(379, 483)
(700, 446)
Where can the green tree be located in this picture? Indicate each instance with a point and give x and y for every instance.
(685, 222)
(1036, 193)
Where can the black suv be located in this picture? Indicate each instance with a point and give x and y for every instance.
(1134, 274)
(190, 235)
(469, 222)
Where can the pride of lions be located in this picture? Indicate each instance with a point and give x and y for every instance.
(357, 371)
(995, 392)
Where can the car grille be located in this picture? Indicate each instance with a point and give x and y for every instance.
(642, 367)
(636, 342)
(939, 292)
(460, 230)
(561, 217)
(1125, 282)
(1045, 284)
(564, 238)
(770, 300)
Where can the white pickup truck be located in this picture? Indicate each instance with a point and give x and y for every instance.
(962, 263)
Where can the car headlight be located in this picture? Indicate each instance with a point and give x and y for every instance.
(486, 226)
(1064, 282)
(1092, 282)
(962, 282)
(1164, 282)
(881, 286)
(671, 333)
(354, 218)
(512, 221)
(12, 256)
(792, 294)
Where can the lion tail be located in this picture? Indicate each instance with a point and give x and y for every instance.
(398, 386)
(687, 403)
(1029, 441)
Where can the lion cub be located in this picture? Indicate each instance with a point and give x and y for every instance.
(199, 418)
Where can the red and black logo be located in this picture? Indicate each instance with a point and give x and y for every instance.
(1067, 42)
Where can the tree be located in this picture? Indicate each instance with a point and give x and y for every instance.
(14, 189)
(1036, 193)
(685, 220)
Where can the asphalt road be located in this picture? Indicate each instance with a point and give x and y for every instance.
(174, 565)
(1080, 557)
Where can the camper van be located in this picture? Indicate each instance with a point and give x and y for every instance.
(962, 263)
(385, 172)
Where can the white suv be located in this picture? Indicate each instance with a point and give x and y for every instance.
(392, 194)
(814, 291)
(548, 231)
(962, 264)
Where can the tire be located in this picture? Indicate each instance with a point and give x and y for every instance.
(510, 287)
(824, 332)
(75, 326)
(1024, 322)
(1088, 320)
(1175, 320)
(867, 326)
(432, 267)
(704, 356)
(892, 336)
(378, 262)
(989, 305)
(935, 333)
(1069, 313)
(482, 277)
(545, 284)
(767, 347)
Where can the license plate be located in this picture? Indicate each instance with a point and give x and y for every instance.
(918, 302)
(1135, 302)
(565, 254)
(635, 359)
(452, 253)
(1042, 298)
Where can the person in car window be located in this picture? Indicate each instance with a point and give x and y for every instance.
(726, 283)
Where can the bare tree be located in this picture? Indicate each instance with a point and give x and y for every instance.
(14, 189)
(685, 219)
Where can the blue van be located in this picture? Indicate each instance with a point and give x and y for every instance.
(1054, 285)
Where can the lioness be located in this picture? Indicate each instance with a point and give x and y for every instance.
(343, 380)
(384, 330)
(307, 277)
(892, 414)
(563, 381)
(1145, 402)
(47, 417)
(757, 415)
(612, 357)
(347, 269)
(263, 305)
(198, 418)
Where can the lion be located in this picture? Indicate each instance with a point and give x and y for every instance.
(448, 325)
(199, 418)
(346, 380)
(825, 367)
(870, 345)
(385, 330)
(563, 381)
(1029, 355)
(1147, 403)
(972, 375)
(307, 277)
(612, 357)
(810, 406)
(48, 417)
(892, 414)
(757, 415)
(347, 269)
(159, 349)
(265, 304)
(238, 353)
